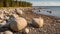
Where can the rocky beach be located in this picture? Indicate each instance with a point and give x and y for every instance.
(21, 20)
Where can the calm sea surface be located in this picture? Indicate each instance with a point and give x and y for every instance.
(54, 9)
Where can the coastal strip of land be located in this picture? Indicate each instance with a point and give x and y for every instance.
(8, 15)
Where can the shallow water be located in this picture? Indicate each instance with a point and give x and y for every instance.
(55, 10)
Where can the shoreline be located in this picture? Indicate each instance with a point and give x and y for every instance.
(51, 25)
(48, 12)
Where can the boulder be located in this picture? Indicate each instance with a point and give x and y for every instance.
(19, 11)
(18, 23)
(2, 23)
(37, 22)
(8, 32)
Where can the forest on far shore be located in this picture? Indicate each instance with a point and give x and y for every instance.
(14, 3)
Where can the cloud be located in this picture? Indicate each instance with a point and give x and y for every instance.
(46, 3)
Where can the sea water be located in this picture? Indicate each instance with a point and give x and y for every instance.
(55, 10)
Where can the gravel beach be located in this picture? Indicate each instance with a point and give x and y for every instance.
(51, 24)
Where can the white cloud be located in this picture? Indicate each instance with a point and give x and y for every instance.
(46, 3)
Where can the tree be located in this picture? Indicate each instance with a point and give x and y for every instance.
(11, 3)
(14, 3)
(4, 3)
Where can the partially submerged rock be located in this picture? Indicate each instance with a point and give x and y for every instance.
(37, 22)
(18, 23)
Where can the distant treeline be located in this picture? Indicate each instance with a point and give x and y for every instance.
(14, 3)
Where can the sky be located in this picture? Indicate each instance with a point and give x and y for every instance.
(44, 2)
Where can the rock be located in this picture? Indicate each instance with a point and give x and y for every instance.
(33, 28)
(18, 23)
(1, 14)
(8, 32)
(37, 22)
(2, 23)
(57, 20)
(6, 17)
(26, 31)
(18, 11)
(6, 11)
(1, 32)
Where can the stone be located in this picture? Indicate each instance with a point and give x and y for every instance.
(18, 23)
(18, 11)
(8, 32)
(37, 22)
(1, 15)
(26, 31)
(1, 32)
(6, 17)
(2, 23)
(58, 20)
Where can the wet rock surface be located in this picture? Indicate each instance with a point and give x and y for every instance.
(51, 24)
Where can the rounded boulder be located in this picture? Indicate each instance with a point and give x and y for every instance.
(37, 22)
(18, 24)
